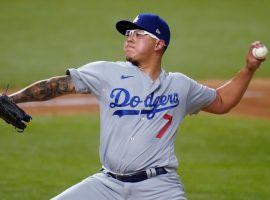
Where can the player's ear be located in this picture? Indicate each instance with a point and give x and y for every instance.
(159, 45)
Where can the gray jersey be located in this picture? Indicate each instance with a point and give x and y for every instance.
(139, 118)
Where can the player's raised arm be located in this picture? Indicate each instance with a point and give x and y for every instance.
(229, 94)
(45, 89)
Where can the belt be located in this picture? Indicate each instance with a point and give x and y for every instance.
(137, 176)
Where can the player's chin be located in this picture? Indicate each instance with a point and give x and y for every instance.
(129, 56)
(132, 60)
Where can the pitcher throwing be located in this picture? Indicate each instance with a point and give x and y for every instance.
(141, 108)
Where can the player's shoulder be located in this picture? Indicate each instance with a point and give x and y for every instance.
(178, 76)
(106, 65)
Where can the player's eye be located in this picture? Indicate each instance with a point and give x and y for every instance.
(137, 34)
(140, 33)
(128, 33)
(134, 33)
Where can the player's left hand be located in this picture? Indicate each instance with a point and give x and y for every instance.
(13, 114)
(253, 63)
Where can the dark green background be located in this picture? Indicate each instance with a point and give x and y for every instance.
(210, 38)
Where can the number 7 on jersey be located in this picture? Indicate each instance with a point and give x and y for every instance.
(166, 126)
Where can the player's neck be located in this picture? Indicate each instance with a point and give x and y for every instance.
(153, 70)
(151, 67)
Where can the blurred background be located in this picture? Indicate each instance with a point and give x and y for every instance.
(209, 39)
(221, 157)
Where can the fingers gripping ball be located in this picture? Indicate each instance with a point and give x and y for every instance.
(13, 114)
(260, 52)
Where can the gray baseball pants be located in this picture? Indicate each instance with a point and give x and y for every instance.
(101, 186)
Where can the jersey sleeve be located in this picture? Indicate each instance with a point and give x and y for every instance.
(198, 97)
(88, 78)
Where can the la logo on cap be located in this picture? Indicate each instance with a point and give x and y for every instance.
(136, 19)
(157, 31)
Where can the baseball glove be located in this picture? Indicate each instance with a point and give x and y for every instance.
(12, 114)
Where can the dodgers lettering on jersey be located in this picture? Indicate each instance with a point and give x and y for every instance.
(122, 99)
(139, 118)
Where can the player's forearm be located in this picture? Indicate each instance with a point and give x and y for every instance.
(45, 90)
(229, 94)
(232, 92)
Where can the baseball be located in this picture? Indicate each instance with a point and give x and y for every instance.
(260, 52)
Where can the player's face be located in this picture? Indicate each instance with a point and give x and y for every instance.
(139, 46)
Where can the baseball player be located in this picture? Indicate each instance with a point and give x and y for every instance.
(141, 108)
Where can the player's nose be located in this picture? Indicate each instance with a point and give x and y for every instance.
(130, 38)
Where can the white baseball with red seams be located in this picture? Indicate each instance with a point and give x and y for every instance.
(259, 52)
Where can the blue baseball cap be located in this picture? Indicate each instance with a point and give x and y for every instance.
(148, 22)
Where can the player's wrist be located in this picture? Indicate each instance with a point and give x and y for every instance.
(251, 67)
(249, 70)
(14, 98)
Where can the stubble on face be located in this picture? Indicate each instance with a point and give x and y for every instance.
(129, 58)
(134, 62)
